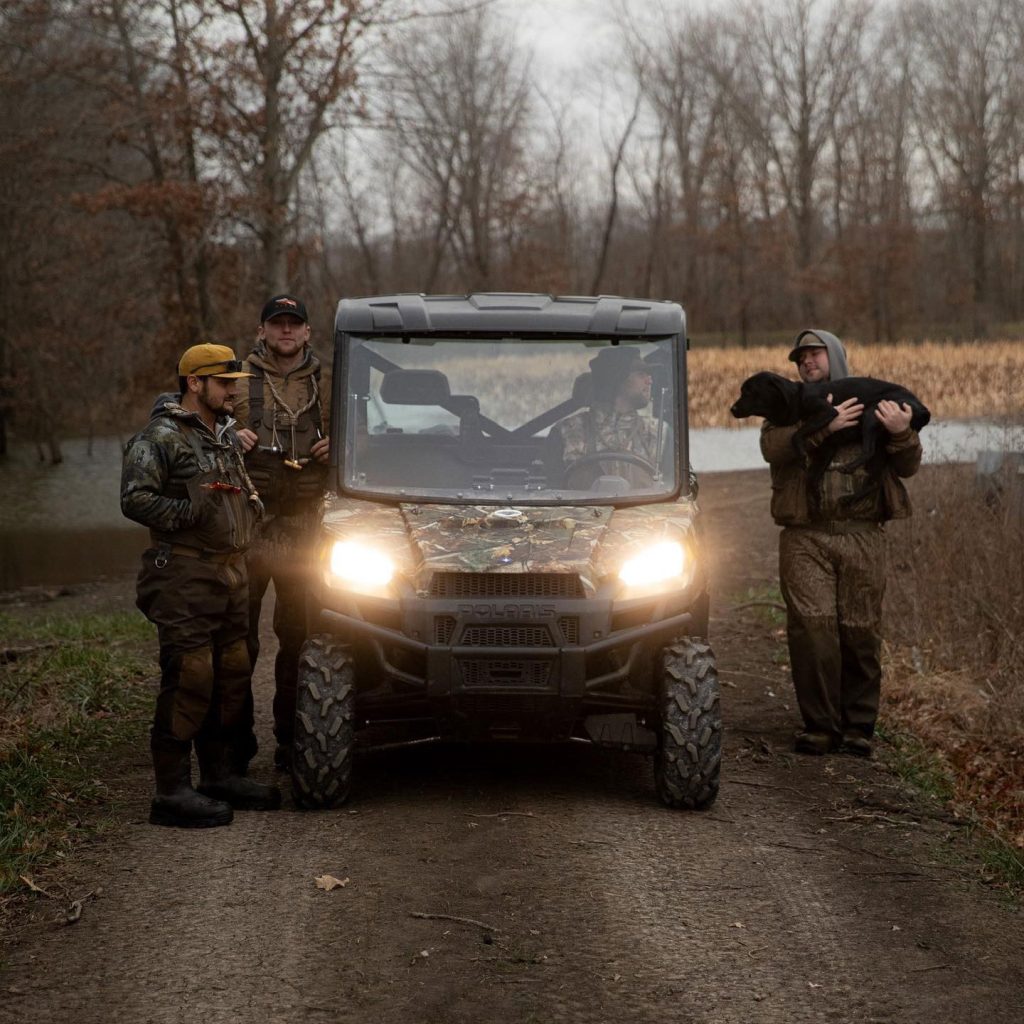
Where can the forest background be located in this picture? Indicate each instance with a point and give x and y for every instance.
(167, 164)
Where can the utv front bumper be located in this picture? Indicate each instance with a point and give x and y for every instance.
(519, 669)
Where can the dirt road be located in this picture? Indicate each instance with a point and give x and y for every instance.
(547, 884)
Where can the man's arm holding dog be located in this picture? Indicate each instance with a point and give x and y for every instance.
(777, 442)
(904, 447)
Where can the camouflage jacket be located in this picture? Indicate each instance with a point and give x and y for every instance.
(162, 481)
(888, 499)
(601, 429)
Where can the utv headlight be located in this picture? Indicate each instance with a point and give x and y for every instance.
(662, 566)
(357, 566)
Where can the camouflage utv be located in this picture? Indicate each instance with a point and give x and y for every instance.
(510, 550)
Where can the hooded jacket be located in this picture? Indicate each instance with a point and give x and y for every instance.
(272, 407)
(886, 499)
(161, 476)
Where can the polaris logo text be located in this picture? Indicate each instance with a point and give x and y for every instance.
(507, 611)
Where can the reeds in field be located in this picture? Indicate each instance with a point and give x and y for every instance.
(955, 620)
(983, 379)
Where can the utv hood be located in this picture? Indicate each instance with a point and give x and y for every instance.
(588, 541)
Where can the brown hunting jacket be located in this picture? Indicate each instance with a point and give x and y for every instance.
(790, 501)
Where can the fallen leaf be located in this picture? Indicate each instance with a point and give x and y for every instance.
(329, 882)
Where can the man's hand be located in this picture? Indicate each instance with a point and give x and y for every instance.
(893, 416)
(321, 450)
(848, 414)
(248, 438)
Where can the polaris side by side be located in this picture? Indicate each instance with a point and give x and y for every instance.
(506, 553)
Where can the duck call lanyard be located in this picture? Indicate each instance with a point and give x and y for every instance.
(291, 419)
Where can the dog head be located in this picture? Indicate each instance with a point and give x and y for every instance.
(764, 394)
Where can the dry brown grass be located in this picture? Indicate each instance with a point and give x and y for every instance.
(955, 611)
(956, 381)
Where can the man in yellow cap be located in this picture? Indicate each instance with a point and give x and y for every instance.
(183, 477)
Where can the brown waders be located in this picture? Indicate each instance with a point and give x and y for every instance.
(282, 554)
(199, 606)
(833, 580)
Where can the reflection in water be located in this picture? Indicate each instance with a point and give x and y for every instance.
(63, 524)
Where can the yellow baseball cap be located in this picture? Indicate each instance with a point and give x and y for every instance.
(210, 361)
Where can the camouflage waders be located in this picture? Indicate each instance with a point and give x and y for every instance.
(282, 554)
(200, 609)
(833, 580)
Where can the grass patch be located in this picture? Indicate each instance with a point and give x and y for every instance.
(764, 604)
(918, 767)
(71, 692)
(929, 773)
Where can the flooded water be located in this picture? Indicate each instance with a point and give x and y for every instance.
(63, 524)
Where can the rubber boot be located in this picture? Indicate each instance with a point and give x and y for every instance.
(176, 803)
(219, 780)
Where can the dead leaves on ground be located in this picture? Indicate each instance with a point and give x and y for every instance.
(329, 883)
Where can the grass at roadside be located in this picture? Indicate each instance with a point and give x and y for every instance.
(72, 691)
(931, 773)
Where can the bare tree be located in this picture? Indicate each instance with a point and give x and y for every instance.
(281, 73)
(967, 54)
(457, 113)
(803, 57)
(615, 153)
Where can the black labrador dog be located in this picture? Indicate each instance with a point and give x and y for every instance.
(785, 402)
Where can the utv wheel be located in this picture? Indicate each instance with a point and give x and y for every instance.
(689, 756)
(324, 724)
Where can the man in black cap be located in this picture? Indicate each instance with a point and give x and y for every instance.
(832, 557)
(283, 431)
(183, 478)
(620, 382)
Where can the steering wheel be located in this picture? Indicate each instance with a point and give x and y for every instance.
(612, 456)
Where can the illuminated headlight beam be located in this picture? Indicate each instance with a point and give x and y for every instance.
(357, 566)
(660, 563)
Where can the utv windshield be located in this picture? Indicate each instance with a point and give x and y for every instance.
(510, 420)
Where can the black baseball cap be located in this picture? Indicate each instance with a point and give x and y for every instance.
(617, 363)
(283, 304)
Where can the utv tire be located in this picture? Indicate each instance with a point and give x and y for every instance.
(689, 755)
(324, 724)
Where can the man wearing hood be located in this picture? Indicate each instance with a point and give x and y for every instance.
(283, 434)
(183, 477)
(832, 556)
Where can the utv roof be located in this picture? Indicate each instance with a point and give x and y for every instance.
(509, 313)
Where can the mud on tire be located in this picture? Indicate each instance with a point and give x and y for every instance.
(324, 724)
(689, 756)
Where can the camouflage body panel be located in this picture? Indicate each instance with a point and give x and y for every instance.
(591, 542)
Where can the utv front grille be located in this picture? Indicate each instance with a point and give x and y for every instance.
(570, 627)
(444, 629)
(506, 636)
(487, 673)
(506, 584)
